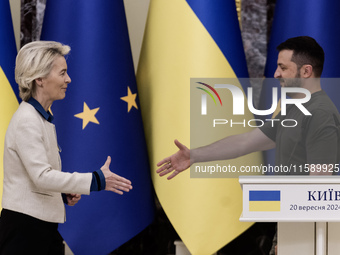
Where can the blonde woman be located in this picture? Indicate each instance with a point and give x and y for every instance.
(34, 186)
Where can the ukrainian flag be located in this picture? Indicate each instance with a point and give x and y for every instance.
(184, 40)
(264, 200)
(8, 99)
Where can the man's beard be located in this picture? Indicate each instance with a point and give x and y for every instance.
(291, 82)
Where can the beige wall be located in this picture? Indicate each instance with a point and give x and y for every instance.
(136, 14)
(15, 8)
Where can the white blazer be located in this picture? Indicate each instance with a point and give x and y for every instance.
(33, 181)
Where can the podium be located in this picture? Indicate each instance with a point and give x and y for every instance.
(307, 209)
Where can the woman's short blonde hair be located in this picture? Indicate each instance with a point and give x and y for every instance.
(35, 60)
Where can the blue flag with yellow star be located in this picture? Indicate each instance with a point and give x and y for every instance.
(100, 116)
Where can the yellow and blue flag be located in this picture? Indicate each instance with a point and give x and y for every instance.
(264, 200)
(314, 18)
(184, 40)
(100, 116)
(8, 87)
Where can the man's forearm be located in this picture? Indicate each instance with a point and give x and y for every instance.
(232, 147)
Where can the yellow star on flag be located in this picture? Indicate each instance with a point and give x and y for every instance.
(87, 115)
(130, 99)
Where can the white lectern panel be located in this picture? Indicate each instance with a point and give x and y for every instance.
(289, 199)
(307, 209)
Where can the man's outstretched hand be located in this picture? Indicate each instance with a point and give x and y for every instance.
(176, 163)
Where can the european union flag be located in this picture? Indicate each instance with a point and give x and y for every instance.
(100, 116)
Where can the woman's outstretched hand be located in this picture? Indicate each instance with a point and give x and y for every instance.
(113, 181)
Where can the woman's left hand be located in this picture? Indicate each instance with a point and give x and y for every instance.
(72, 199)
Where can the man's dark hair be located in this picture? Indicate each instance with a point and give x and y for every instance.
(306, 51)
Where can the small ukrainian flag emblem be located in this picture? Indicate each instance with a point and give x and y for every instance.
(264, 200)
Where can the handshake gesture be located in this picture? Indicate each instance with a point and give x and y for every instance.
(176, 163)
(113, 181)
